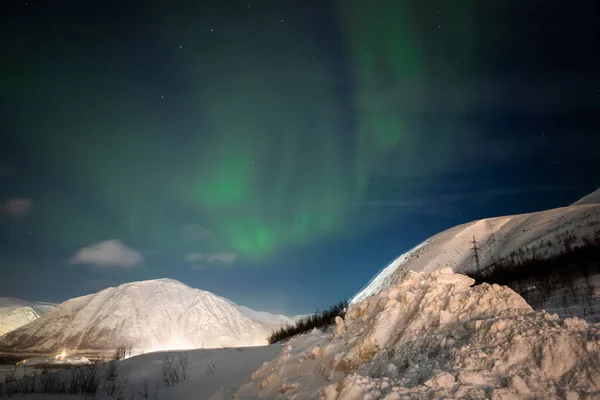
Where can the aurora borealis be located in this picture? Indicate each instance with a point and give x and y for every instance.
(222, 139)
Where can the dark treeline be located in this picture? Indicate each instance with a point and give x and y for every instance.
(317, 320)
(561, 268)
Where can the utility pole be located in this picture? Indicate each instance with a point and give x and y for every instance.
(476, 252)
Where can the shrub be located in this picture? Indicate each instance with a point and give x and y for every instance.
(183, 365)
(110, 384)
(317, 320)
(174, 369)
(562, 269)
(124, 350)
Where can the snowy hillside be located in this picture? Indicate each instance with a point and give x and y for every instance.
(496, 238)
(269, 320)
(434, 336)
(15, 313)
(9, 303)
(592, 198)
(152, 315)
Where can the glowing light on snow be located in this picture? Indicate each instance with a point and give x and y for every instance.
(62, 355)
(377, 283)
(172, 345)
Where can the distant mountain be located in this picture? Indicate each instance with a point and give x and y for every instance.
(15, 313)
(152, 315)
(592, 198)
(496, 238)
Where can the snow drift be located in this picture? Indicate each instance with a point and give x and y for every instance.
(151, 315)
(496, 238)
(213, 374)
(15, 313)
(435, 336)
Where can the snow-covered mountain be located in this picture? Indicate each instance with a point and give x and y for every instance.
(496, 238)
(151, 315)
(592, 198)
(15, 313)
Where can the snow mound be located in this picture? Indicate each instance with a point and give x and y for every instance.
(161, 314)
(496, 239)
(592, 198)
(435, 336)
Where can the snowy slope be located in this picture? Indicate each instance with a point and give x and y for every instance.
(592, 198)
(15, 313)
(211, 374)
(435, 337)
(152, 315)
(269, 320)
(496, 238)
(16, 318)
(8, 304)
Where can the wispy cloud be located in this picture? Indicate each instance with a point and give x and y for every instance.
(110, 253)
(194, 257)
(195, 233)
(222, 257)
(17, 207)
(202, 261)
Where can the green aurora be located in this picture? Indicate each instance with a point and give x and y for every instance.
(265, 156)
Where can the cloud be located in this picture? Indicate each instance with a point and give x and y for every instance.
(210, 259)
(193, 257)
(222, 257)
(196, 233)
(17, 207)
(110, 253)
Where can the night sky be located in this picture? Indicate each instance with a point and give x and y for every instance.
(279, 153)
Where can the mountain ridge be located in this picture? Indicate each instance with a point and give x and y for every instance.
(154, 314)
(15, 313)
(496, 237)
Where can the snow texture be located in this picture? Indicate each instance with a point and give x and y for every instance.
(496, 238)
(435, 336)
(15, 313)
(161, 314)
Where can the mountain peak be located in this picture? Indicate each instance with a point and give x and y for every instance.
(158, 281)
(157, 314)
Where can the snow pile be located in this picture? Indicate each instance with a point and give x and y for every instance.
(380, 281)
(434, 336)
(496, 239)
(161, 314)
